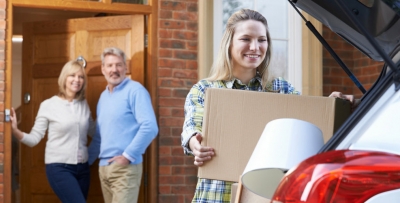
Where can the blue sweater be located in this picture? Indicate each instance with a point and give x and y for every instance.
(126, 123)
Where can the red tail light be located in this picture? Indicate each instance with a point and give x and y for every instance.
(340, 176)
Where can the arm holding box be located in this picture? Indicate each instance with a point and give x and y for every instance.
(192, 127)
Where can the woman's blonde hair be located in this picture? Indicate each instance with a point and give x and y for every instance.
(222, 67)
(69, 68)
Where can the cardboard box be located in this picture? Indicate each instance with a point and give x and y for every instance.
(235, 119)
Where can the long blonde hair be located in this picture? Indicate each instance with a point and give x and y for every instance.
(222, 67)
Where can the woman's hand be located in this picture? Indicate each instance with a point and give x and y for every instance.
(13, 118)
(342, 96)
(354, 102)
(14, 125)
(201, 153)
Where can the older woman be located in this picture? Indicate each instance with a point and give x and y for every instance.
(68, 120)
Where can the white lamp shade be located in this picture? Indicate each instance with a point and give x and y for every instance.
(283, 144)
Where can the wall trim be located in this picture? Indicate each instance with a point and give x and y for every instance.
(312, 69)
(205, 38)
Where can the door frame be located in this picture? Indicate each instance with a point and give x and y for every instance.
(105, 6)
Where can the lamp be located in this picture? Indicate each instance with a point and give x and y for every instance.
(283, 144)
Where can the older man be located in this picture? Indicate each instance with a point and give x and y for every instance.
(126, 125)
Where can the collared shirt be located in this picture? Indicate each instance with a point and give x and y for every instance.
(194, 104)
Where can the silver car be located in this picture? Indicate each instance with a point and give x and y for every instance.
(361, 162)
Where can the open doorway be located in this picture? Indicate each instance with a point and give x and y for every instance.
(20, 11)
(21, 16)
(43, 66)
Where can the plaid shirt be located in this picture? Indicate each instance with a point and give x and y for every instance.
(218, 191)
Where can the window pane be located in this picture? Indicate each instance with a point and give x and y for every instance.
(130, 1)
(279, 58)
(231, 6)
(277, 16)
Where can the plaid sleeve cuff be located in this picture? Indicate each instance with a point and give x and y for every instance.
(185, 142)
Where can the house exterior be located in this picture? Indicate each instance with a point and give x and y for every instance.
(177, 64)
(177, 174)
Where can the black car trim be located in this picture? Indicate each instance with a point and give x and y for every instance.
(385, 80)
(388, 61)
(370, 99)
(311, 27)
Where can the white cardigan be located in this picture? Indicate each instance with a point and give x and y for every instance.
(67, 130)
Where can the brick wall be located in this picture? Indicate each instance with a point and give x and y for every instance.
(178, 25)
(335, 79)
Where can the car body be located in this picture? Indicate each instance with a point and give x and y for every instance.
(361, 162)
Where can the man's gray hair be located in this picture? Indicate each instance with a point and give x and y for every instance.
(113, 51)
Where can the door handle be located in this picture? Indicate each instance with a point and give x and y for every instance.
(80, 58)
(7, 115)
(27, 98)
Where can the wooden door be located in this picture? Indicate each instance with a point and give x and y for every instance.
(47, 46)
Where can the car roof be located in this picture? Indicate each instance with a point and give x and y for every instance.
(378, 17)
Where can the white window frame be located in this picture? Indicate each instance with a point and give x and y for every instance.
(295, 45)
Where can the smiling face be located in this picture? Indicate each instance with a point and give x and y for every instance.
(114, 70)
(249, 46)
(74, 83)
